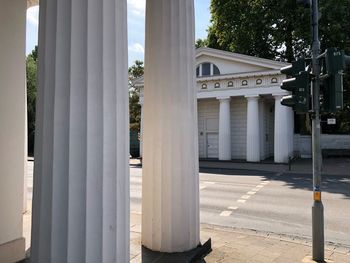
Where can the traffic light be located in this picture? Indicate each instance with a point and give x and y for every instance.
(299, 85)
(333, 63)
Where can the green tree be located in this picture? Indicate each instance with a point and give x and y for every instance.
(31, 72)
(201, 43)
(135, 71)
(263, 28)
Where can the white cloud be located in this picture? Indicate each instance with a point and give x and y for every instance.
(33, 15)
(137, 48)
(137, 7)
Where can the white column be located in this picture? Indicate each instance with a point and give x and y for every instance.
(291, 131)
(141, 127)
(13, 148)
(253, 131)
(170, 188)
(224, 129)
(81, 176)
(282, 143)
(262, 128)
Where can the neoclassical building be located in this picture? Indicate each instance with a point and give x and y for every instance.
(239, 110)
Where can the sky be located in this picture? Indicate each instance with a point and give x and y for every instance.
(136, 26)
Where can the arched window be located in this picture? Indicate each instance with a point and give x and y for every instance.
(258, 81)
(274, 80)
(204, 86)
(230, 84)
(244, 83)
(217, 85)
(207, 69)
(216, 70)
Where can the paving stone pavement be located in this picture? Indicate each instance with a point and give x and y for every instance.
(246, 246)
(235, 245)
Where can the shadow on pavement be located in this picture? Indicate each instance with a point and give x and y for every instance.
(336, 184)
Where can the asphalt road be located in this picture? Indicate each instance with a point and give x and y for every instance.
(279, 203)
(265, 201)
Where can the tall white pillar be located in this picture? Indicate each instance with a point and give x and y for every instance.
(262, 128)
(170, 189)
(141, 127)
(13, 148)
(81, 176)
(224, 129)
(253, 131)
(282, 143)
(291, 130)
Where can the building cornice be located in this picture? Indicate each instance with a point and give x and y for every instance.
(262, 62)
(240, 75)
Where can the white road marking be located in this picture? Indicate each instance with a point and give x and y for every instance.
(251, 193)
(265, 183)
(233, 207)
(245, 196)
(241, 201)
(205, 184)
(226, 213)
(259, 186)
(256, 189)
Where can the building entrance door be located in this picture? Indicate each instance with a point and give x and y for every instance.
(212, 145)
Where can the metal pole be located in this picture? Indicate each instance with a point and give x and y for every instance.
(317, 208)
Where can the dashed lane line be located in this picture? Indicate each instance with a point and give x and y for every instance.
(205, 184)
(226, 213)
(243, 199)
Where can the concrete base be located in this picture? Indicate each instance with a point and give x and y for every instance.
(194, 255)
(12, 251)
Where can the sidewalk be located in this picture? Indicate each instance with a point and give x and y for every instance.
(247, 246)
(331, 166)
(236, 246)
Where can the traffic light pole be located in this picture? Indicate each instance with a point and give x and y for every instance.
(317, 208)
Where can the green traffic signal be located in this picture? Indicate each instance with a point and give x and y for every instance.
(295, 68)
(299, 85)
(333, 62)
(333, 93)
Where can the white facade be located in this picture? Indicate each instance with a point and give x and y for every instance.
(238, 100)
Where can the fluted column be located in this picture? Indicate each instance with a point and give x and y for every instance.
(170, 195)
(253, 131)
(282, 143)
(262, 128)
(291, 130)
(141, 127)
(224, 129)
(13, 112)
(81, 176)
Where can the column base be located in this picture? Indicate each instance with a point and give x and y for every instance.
(195, 255)
(12, 251)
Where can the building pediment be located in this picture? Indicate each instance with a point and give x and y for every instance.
(234, 63)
